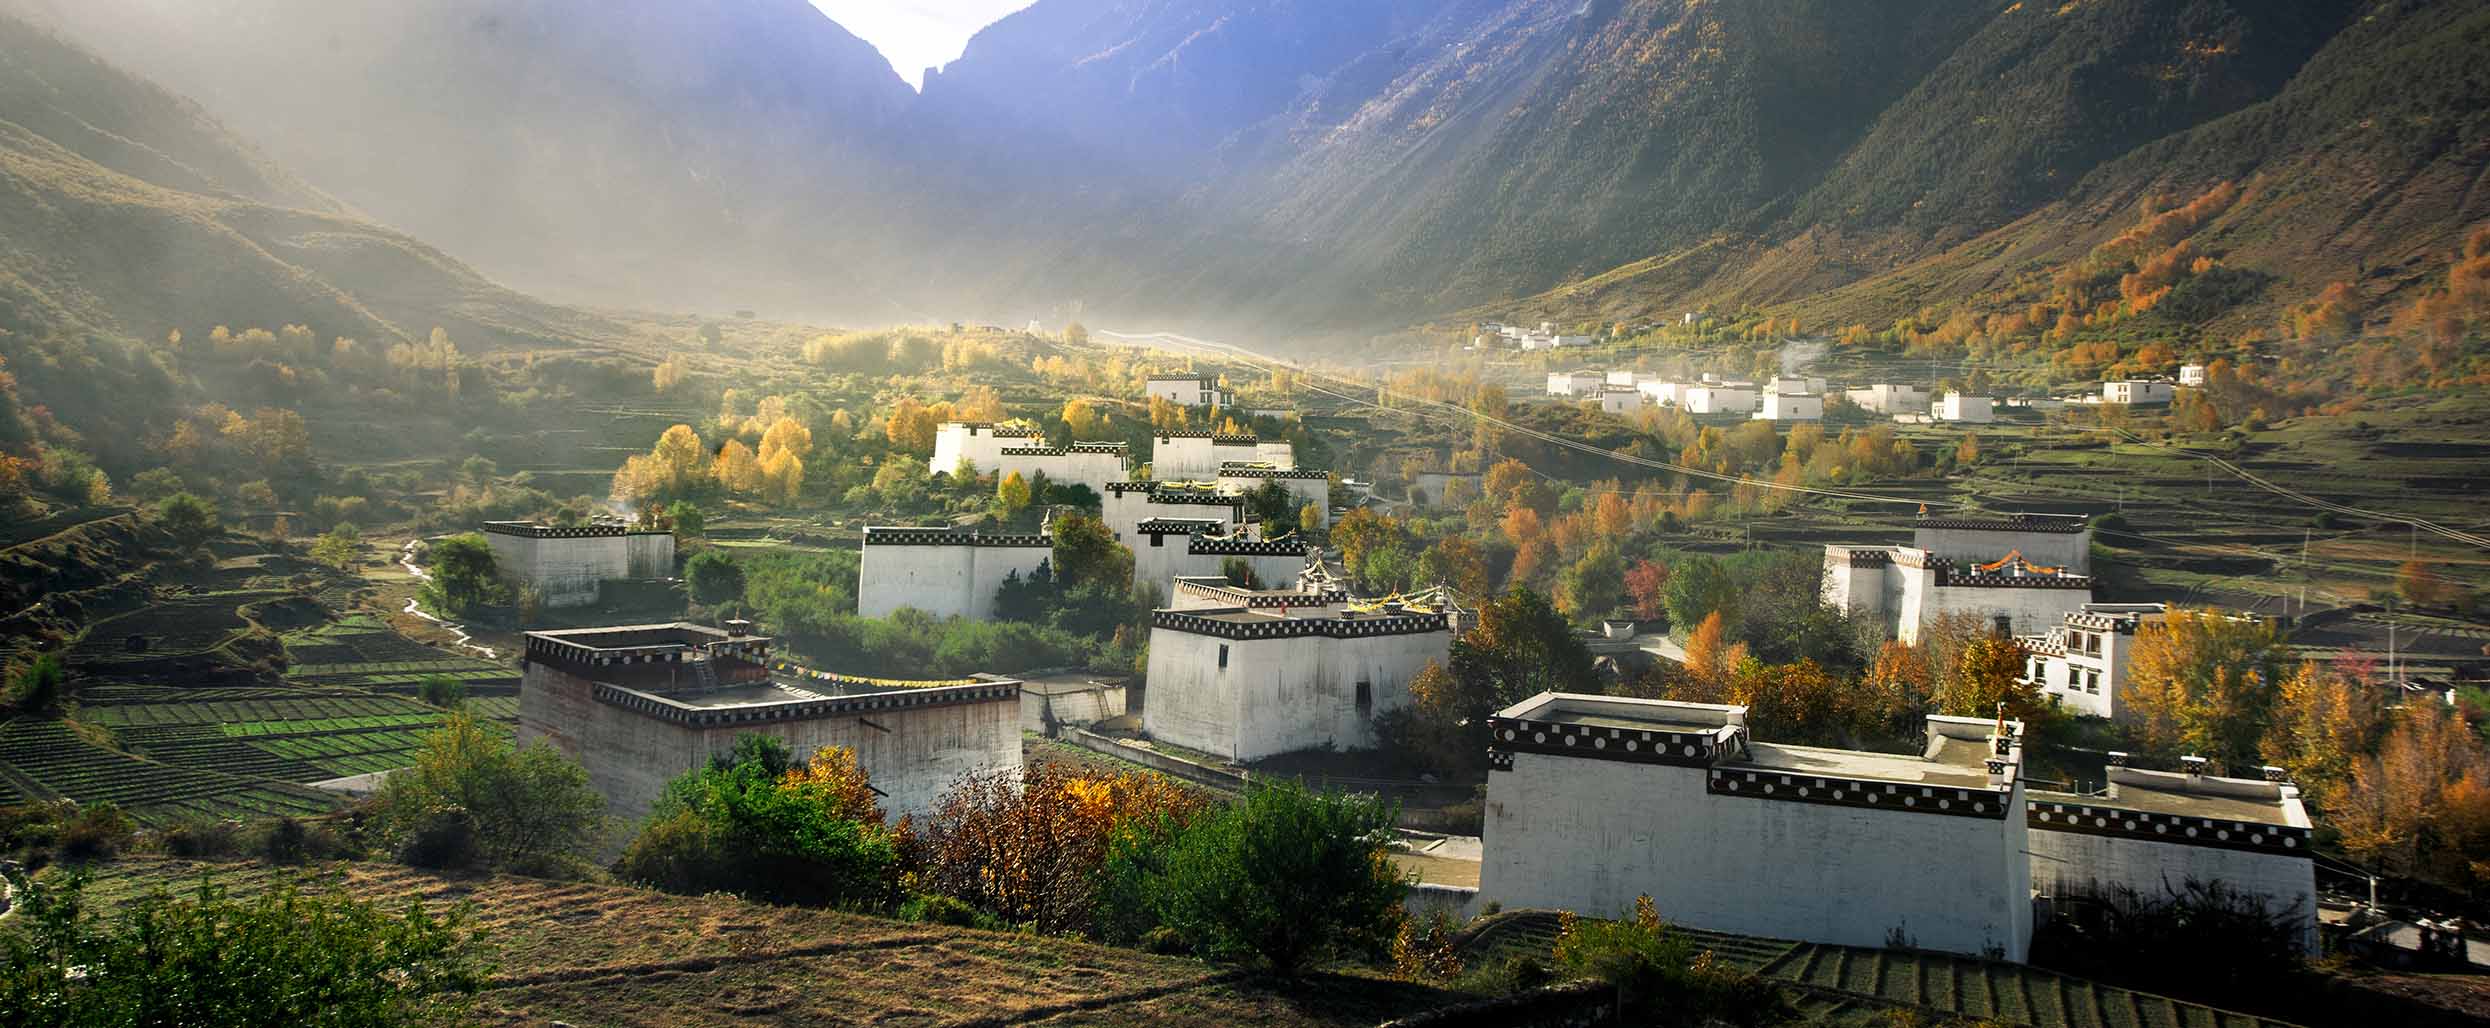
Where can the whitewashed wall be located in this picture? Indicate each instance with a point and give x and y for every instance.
(2069, 550)
(2073, 864)
(1591, 835)
(1278, 695)
(945, 579)
(567, 569)
(1301, 491)
(630, 756)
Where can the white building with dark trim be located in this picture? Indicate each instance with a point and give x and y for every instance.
(1166, 549)
(940, 571)
(568, 564)
(2081, 662)
(2138, 392)
(1306, 487)
(1721, 398)
(1277, 674)
(1595, 800)
(1194, 454)
(1887, 398)
(1000, 450)
(1188, 390)
(1790, 407)
(2151, 833)
(1961, 409)
(1578, 383)
(639, 705)
(1124, 506)
(2019, 574)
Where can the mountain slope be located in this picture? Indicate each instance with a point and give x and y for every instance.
(128, 215)
(675, 151)
(1268, 167)
(2365, 165)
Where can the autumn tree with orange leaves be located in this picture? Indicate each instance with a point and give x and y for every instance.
(1024, 844)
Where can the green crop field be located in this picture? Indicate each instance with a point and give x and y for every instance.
(49, 755)
(320, 708)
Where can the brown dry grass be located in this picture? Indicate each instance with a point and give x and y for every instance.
(613, 955)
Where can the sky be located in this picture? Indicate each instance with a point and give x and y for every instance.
(916, 34)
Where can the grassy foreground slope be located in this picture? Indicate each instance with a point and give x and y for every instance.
(610, 955)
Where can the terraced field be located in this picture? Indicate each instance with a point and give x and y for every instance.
(1848, 983)
(45, 760)
(181, 625)
(320, 708)
(286, 735)
(609, 955)
(362, 652)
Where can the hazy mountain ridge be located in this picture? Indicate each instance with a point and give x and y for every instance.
(1275, 164)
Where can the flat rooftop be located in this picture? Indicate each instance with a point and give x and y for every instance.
(755, 695)
(2178, 795)
(677, 634)
(1958, 762)
(1624, 712)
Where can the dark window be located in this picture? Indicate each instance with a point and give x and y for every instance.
(2005, 624)
(1223, 655)
(1155, 538)
(1365, 698)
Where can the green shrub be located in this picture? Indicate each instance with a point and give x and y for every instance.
(441, 691)
(714, 578)
(97, 832)
(190, 519)
(531, 807)
(751, 826)
(37, 687)
(442, 838)
(281, 957)
(203, 839)
(286, 842)
(1285, 875)
(938, 909)
(1659, 974)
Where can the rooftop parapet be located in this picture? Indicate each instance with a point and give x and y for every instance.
(901, 535)
(780, 705)
(1216, 588)
(2184, 808)
(625, 648)
(1241, 469)
(1251, 623)
(1216, 438)
(1203, 545)
(2016, 522)
(1968, 769)
(536, 530)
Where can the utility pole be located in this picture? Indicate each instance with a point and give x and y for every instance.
(2392, 673)
(2304, 572)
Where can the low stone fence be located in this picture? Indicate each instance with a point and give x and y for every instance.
(1217, 778)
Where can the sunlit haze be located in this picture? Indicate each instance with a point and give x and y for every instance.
(917, 34)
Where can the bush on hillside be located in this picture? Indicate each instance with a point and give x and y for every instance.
(750, 825)
(1286, 876)
(281, 957)
(1658, 973)
(532, 809)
